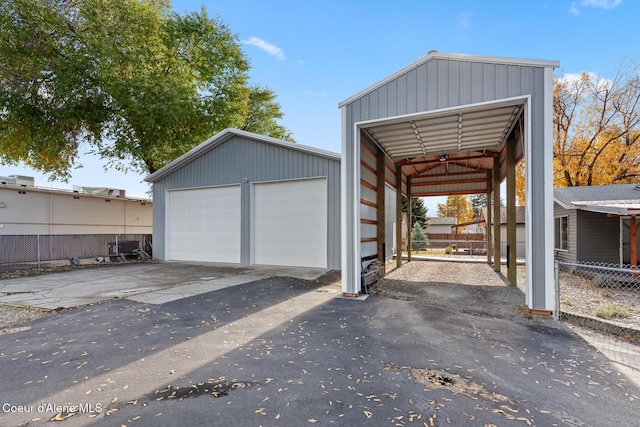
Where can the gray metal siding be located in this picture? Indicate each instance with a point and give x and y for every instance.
(446, 83)
(243, 158)
(598, 238)
(442, 83)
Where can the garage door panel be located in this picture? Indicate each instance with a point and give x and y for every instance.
(290, 223)
(204, 224)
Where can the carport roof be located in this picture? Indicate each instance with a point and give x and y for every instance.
(434, 54)
(448, 150)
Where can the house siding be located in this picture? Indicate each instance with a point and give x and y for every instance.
(598, 237)
(570, 255)
(242, 160)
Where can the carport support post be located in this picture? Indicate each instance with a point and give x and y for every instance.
(380, 213)
(408, 219)
(488, 218)
(511, 212)
(496, 214)
(398, 216)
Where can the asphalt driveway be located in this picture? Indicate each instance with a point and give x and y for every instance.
(286, 352)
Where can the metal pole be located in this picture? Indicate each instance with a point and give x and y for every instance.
(557, 280)
(116, 249)
(38, 238)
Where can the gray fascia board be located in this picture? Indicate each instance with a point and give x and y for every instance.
(563, 204)
(456, 57)
(225, 135)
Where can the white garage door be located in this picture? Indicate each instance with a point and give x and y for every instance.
(204, 224)
(290, 223)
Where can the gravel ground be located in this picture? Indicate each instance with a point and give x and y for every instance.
(475, 288)
(579, 296)
(469, 288)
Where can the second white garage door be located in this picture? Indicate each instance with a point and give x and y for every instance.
(204, 224)
(290, 223)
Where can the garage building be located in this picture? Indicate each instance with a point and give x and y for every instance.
(246, 199)
(452, 124)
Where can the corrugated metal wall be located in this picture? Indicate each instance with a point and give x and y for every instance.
(445, 83)
(241, 158)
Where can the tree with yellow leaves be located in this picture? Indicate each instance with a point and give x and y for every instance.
(458, 207)
(597, 128)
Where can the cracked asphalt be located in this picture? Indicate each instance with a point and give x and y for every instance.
(286, 352)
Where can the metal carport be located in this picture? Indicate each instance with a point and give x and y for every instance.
(450, 124)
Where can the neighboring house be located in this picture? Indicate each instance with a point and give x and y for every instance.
(440, 225)
(248, 199)
(29, 210)
(592, 223)
(520, 229)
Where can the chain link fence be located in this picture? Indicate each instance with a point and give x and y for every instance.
(604, 298)
(24, 252)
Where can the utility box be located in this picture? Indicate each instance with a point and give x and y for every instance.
(124, 247)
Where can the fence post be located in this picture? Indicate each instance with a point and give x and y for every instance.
(556, 268)
(116, 250)
(38, 239)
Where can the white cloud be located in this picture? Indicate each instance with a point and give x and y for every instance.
(464, 20)
(598, 4)
(604, 4)
(574, 9)
(573, 80)
(271, 49)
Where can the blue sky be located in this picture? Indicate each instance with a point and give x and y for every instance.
(316, 53)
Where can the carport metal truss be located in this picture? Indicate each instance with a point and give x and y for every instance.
(447, 134)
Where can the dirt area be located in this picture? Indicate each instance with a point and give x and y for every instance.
(476, 289)
(11, 318)
(466, 287)
(580, 296)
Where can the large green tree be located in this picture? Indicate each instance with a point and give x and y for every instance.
(130, 80)
(418, 211)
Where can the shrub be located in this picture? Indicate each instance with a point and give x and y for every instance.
(418, 239)
(609, 311)
(448, 250)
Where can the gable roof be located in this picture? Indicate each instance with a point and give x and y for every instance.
(434, 54)
(521, 212)
(226, 135)
(617, 199)
(445, 220)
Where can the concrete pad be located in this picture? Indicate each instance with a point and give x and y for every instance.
(162, 281)
(360, 297)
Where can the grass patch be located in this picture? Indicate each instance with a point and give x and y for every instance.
(610, 311)
(607, 295)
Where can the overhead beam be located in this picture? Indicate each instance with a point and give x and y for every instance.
(450, 182)
(405, 162)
